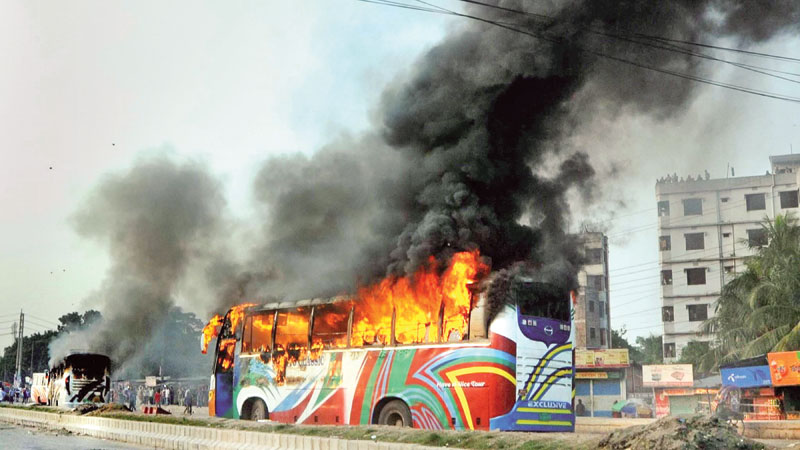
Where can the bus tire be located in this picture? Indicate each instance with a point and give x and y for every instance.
(395, 413)
(258, 411)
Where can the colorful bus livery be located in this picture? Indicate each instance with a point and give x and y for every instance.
(515, 374)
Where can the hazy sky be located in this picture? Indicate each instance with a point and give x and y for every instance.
(89, 87)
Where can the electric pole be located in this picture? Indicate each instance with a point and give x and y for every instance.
(18, 375)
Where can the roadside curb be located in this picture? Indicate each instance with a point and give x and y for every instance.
(161, 435)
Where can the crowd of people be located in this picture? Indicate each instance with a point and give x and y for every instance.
(11, 394)
(163, 395)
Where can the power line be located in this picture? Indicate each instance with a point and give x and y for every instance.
(43, 320)
(664, 44)
(600, 54)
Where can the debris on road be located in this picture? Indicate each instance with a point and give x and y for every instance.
(679, 433)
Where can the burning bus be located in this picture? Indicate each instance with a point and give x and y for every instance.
(79, 378)
(429, 351)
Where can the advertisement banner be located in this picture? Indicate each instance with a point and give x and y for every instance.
(591, 375)
(601, 358)
(784, 368)
(669, 375)
(662, 404)
(746, 377)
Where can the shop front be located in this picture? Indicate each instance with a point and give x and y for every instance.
(784, 371)
(599, 380)
(669, 382)
(748, 384)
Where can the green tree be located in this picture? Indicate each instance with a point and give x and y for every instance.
(759, 310)
(696, 353)
(651, 348)
(618, 340)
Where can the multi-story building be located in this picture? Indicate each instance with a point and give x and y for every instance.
(707, 228)
(592, 312)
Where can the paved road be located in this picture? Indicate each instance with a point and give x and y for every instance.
(36, 439)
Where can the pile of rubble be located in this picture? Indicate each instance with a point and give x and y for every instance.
(93, 409)
(679, 433)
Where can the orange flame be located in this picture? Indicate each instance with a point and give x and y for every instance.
(419, 303)
(210, 331)
(427, 307)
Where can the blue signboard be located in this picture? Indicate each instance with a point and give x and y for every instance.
(744, 377)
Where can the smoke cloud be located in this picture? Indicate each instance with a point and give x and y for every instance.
(155, 220)
(470, 149)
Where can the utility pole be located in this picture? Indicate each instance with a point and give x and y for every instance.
(18, 375)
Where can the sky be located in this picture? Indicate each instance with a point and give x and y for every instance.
(91, 87)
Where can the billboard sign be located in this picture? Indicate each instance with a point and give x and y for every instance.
(784, 368)
(601, 358)
(746, 377)
(668, 375)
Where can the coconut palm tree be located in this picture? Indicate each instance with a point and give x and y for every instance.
(759, 310)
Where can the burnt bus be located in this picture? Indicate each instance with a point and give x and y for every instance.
(79, 378)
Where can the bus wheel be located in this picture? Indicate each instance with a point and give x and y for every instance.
(258, 411)
(395, 413)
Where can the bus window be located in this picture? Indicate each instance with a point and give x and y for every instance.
(414, 325)
(372, 325)
(225, 355)
(291, 339)
(257, 335)
(330, 327)
(540, 299)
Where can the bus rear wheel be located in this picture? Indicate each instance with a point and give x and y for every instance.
(395, 413)
(258, 411)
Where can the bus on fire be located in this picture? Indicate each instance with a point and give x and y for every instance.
(505, 365)
(78, 378)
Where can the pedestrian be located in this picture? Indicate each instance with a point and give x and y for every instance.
(187, 402)
(167, 392)
(580, 408)
(157, 398)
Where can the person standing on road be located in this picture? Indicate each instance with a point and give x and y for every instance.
(580, 409)
(187, 402)
(157, 398)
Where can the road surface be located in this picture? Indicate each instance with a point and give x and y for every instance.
(15, 437)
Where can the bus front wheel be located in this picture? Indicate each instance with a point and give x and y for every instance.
(395, 413)
(258, 411)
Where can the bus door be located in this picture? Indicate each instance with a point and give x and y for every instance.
(222, 387)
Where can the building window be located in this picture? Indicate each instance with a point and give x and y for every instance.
(594, 256)
(696, 276)
(663, 208)
(755, 202)
(697, 313)
(789, 199)
(724, 199)
(669, 350)
(694, 241)
(726, 235)
(757, 238)
(601, 308)
(596, 282)
(602, 336)
(591, 306)
(693, 207)
(664, 243)
(667, 314)
(591, 333)
(729, 270)
(666, 277)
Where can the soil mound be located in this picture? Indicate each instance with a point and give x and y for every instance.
(679, 433)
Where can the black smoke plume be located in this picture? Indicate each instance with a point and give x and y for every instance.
(470, 151)
(155, 220)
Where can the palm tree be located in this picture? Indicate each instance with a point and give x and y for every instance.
(759, 310)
